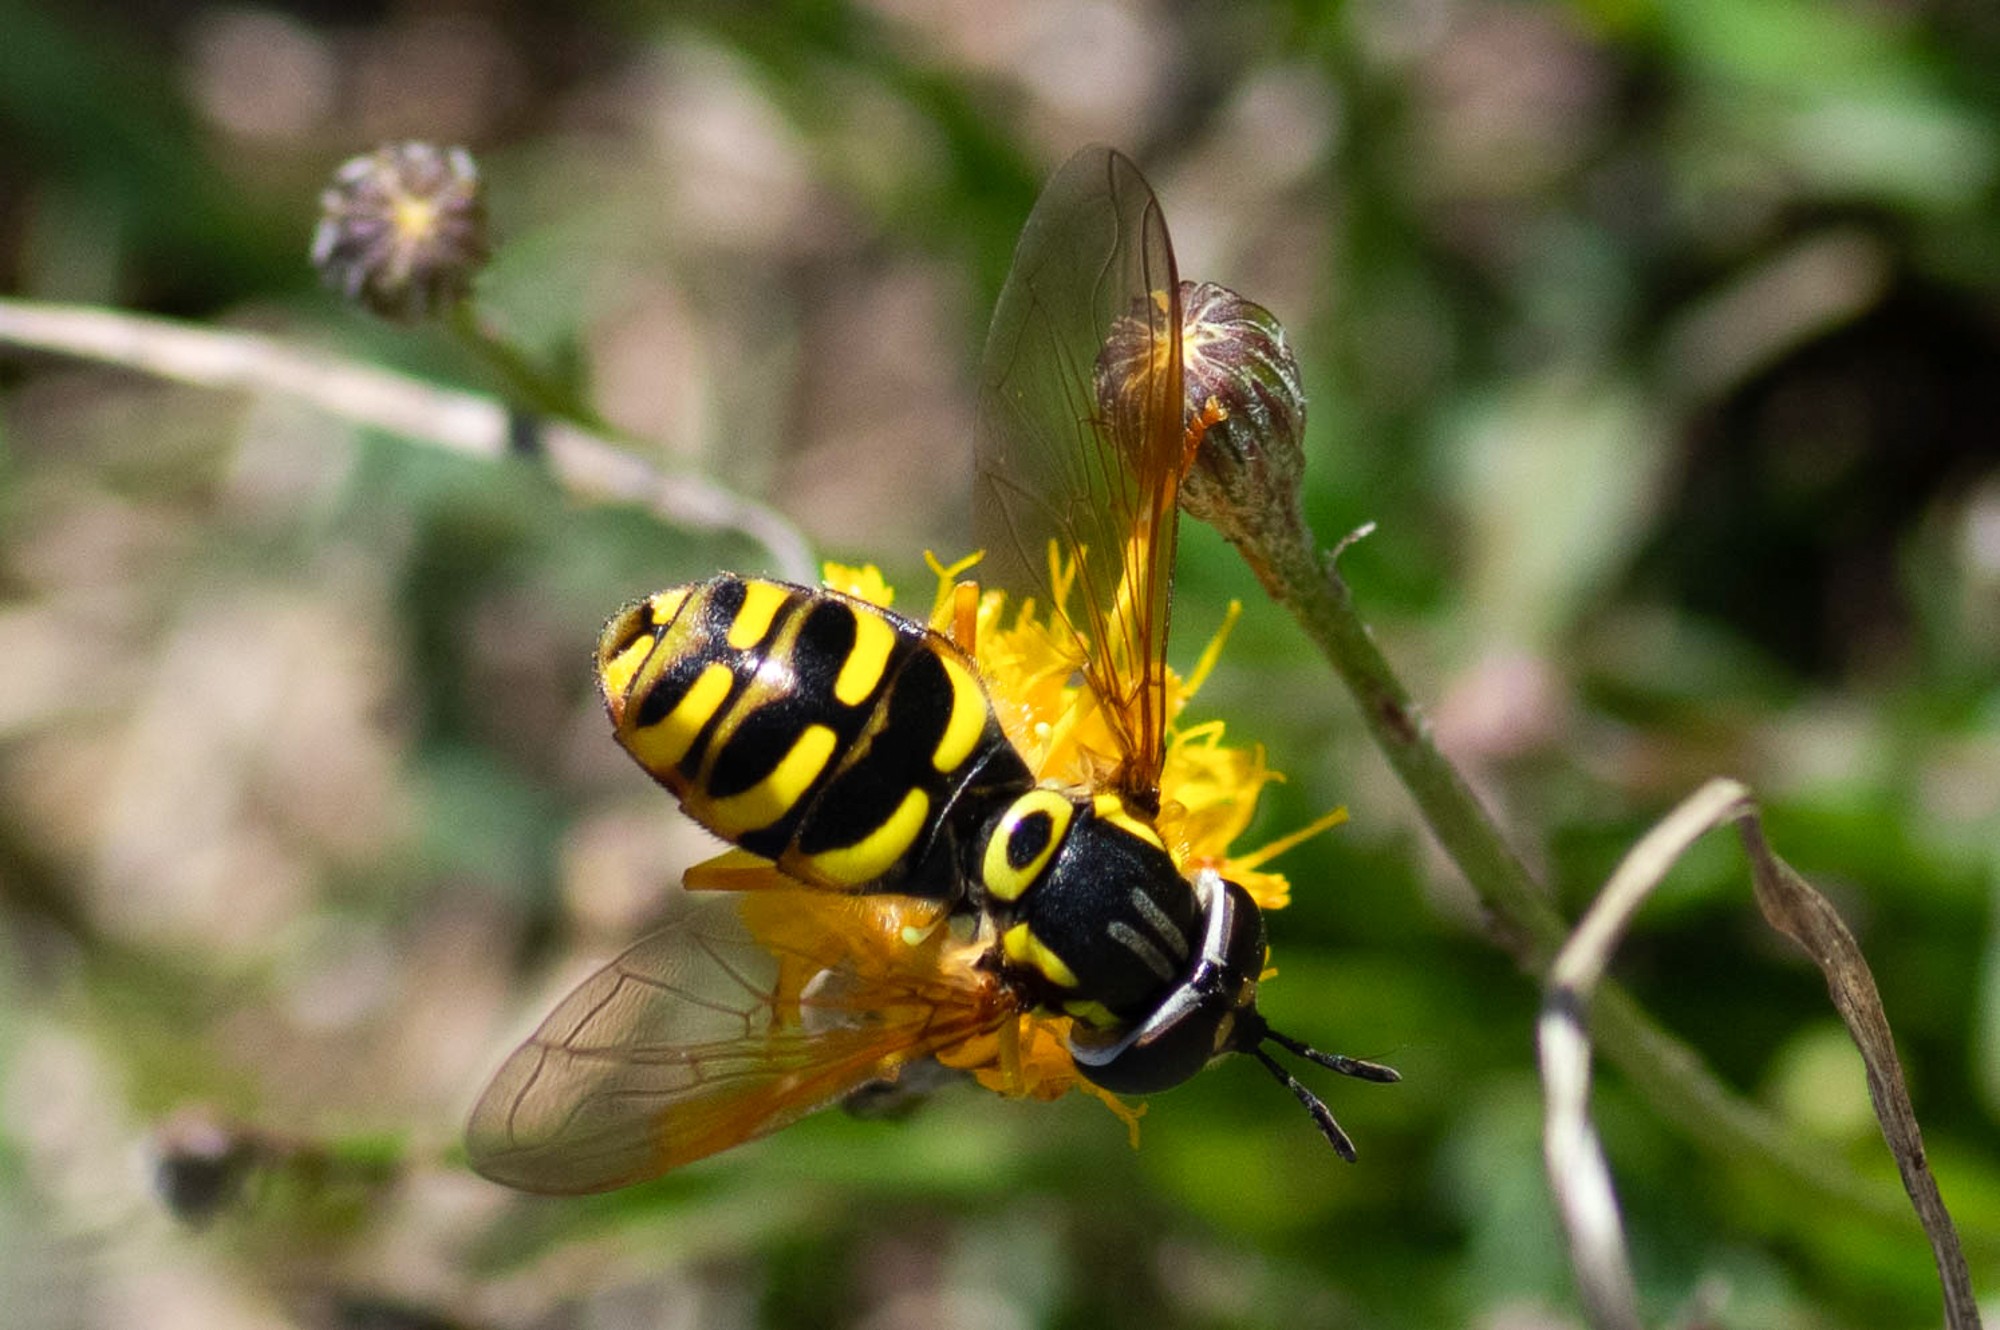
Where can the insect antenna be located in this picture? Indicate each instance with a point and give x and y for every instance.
(1322, 1116)
(1340, 1062)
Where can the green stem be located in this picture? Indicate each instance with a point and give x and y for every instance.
(527, 384)
(1673, 1077)
(1317, 594)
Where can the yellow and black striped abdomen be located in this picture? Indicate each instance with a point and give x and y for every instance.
(806, 726)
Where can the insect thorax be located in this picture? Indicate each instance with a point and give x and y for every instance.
(1094, 918)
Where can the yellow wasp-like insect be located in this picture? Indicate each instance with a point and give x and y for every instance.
(908, 888)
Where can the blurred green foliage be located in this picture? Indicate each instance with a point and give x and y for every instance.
(1660, 341)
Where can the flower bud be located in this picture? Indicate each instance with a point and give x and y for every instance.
(1125, 377)
(200, 1161)
(402, 230)
(1236, 363)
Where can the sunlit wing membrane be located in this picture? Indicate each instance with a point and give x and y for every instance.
(1081, 437)
(741, 1016)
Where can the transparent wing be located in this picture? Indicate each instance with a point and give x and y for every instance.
(1081, 443)
(741, 1016)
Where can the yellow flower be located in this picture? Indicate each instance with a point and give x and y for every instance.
(864, 583)
(1208, 787)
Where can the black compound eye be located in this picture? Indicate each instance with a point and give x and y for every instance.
(1243, 952)
(1169, 1054)
(1206, 1014)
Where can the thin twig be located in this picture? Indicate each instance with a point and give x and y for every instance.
(526, 384)
(1578, 1175)
(1791, 906)
(581, 460)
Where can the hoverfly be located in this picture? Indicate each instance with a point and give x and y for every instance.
(903, 890)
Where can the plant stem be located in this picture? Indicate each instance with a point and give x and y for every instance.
(1319, 596)
(1674, 1078)
(585, 460)
(531, 388)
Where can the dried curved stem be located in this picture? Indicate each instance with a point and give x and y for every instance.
(1578, 1174)
(1675, 1078)
(1579, 1177)
(582, 460)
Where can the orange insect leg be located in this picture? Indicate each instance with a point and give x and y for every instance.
(1212, 413)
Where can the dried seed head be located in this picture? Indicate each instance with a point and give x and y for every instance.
(1236, 362)
(200, 1162)
(402, 230)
